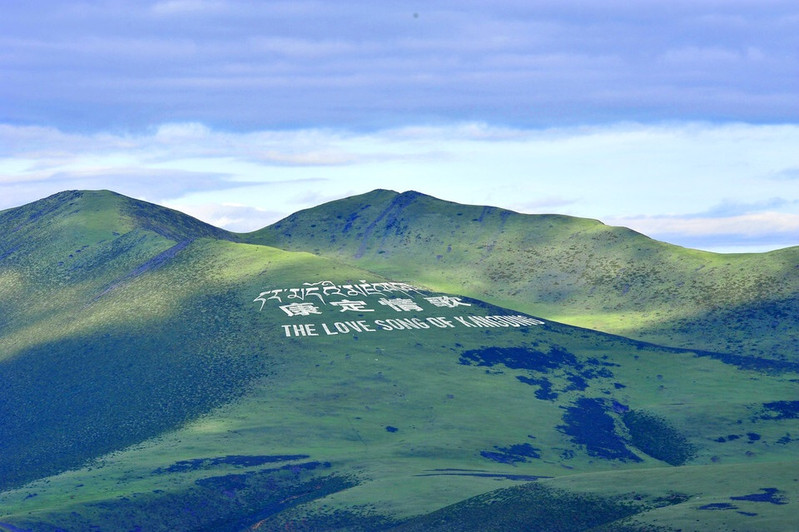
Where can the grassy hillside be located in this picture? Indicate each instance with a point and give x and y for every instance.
(63, 251)
(87, 369)
(573, 270)
(177, 379)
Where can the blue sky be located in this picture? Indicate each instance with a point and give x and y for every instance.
(678, 119)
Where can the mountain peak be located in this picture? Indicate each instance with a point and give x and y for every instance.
(104, 213)
(578, 269)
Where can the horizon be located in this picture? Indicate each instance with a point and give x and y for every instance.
(256, 229)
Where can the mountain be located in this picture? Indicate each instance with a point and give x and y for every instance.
(157, 373)
(573, 270)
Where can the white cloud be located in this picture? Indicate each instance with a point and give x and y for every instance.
(756, 232)
(787, 174)
(180, 7)
(746, 225)
(681, 181)
(231, 216)
(181, 132)
(303, 48)
(547, 204)
(693, 55)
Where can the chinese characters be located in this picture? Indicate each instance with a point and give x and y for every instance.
(349, 303)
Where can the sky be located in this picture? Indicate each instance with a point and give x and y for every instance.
(679, 119)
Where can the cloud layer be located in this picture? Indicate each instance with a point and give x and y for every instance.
(354, 64)
(676, 118)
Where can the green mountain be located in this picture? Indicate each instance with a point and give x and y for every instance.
(157, 373)
(573, 270)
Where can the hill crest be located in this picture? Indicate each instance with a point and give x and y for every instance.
(119, 213)
(575, 270)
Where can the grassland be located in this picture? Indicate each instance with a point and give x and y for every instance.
(145, 388)
(573, 270)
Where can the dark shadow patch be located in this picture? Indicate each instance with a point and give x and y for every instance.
(618, 407)
(557, 361)
(479, 474)
(654, 436)
(781, 410)
(212, 504)
(510, 455)
(519, 358)
(589, 424)
(102, 392)
(718, 506)
(578, 383)
(389, 428)
(770, 495)
(233, 460)
(304, 519)
(229, 484)
(671, 499)
(11, 528)
(728, 437)
(749, 363)
(544, 391)
(530, 506)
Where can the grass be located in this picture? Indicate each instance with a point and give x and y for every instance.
(657, 438)
(165, 388)
(575, 270)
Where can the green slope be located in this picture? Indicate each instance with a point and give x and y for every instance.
(573, 270)
(87, 370)
(144, 386)
(58, 251)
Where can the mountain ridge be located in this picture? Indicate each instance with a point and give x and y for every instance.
(575, 270)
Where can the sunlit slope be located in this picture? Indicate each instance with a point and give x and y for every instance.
(574, 270)
(187, 384)
(57, 252)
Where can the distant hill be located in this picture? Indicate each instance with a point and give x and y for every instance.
(574, 270)
(157, 373)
